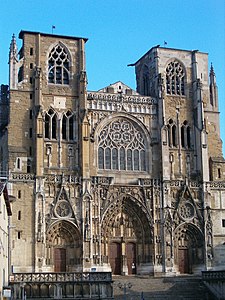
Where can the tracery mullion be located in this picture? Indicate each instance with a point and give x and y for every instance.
(50, 128)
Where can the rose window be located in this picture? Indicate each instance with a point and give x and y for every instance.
(63, 209)
(121, 146)
(187, 211)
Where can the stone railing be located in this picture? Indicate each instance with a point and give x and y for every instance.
(215, 282)
(79, 285)
(61, 277)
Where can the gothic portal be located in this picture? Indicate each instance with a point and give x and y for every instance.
(116, 179)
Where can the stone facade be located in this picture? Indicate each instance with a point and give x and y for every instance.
(115, 179)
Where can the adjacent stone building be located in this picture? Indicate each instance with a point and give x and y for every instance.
(115, 179)
(5, 213)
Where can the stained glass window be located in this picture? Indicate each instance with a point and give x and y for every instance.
(121, 146)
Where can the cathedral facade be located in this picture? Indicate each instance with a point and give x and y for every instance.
(116, 179)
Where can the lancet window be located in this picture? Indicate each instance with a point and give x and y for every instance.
(58, 65)
(121, 146)
(145, 81)
(175, 76)
(50, 124)
(68, 126)
(185, 135)
(172, 133)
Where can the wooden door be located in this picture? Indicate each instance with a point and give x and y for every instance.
(115, 258)
(60, 260)
(183, 261)
(131, 258)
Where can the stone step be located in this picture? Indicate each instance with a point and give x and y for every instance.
(169, 288)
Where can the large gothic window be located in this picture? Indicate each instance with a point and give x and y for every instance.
(50, 124)
(121, 146)
(58, 65)
(68, 126)
(175, 76)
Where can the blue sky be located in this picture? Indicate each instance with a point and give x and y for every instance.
(119, 32)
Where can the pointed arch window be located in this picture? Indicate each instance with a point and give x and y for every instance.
(172, 133)
(122, 146)
(185, 135)
(50, 125)
(68, 124)
(175, 76)
(58, 65)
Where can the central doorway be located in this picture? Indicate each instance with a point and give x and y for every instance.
(60, 260)
(124, 226)
(115, 258)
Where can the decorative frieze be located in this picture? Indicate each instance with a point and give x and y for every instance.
(21, 177)
(117, 98)
(62, 178)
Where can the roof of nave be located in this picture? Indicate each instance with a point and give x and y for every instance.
(118, 87)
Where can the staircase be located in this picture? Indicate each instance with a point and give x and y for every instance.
(146, 288)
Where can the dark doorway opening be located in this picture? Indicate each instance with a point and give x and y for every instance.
(60, 259)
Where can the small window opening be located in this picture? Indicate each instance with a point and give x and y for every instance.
(31, 51)
(71, 122)
(188, 137)
(182, 137)
(31, 114)
(19, 215)
(174, 135)
(28, 166)
(30, 132)
(19, 194)
(20, 74)
(223, 223)
(64, 127)
(54, 127)
(219, 173)
(31, 80)
(31, 96)
(18, 163)
(31, 66)
(19, 235)
(47, 126)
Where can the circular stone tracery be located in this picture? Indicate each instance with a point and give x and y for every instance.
(122, 133)
(122, 146)
(63, 209)
(186, 211)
